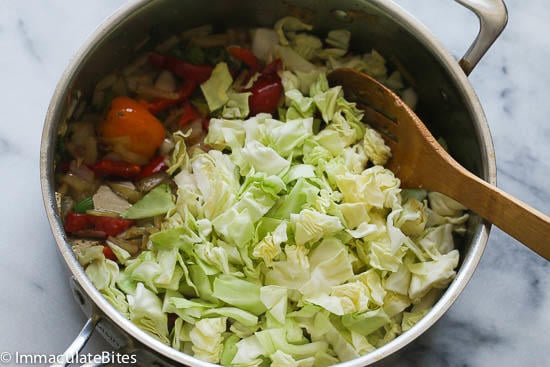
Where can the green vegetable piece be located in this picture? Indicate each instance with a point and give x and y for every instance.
(84, 205)
(179, 237)
(121, 254)
(275, 339)
(202, 283)
(293, 60)
(245, 318)
(339, 38)
(207, 339)
(302, 193)
(239, 293)
(237, 106)
(411, 318)
(312, 225)
(215, 89)
(229, 349)
(366, 322)
(158, 201)
(290, 24)
(146, 312)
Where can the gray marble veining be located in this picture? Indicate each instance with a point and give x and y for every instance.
(502, 317)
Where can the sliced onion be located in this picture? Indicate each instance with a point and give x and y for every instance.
(238, 36)
(134, 232)
(80, 187)
(131, 246)
(196, 132)
(149, 92)
(166, 147)
(119, 151)
(212, 40)
(135, 80)
(66, 205)
(98, 98)
(106, 200)
(167, 44)
(172, 120)
(106, 82)
(120, 88)
(126, 189)
(410, 97)
(263, 43)
(148, 183)
(79, 110)
(82, 143)
(82, 171)
(103, 213)
(200, 31)
(166, 82)
(136, 65)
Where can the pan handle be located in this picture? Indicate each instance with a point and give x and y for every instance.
(493, 16)
(79, 342)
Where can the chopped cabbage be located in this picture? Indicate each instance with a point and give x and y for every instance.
(215, 89)
(290, 25)
(287, 242)
(146, 312)
(207, 338)
(236, 106)
(158, 201)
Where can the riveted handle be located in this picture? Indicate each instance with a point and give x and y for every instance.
(493, 16)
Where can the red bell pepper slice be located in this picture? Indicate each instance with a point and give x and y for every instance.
(266, 92)
(185, 70)
(108, 253)
(158, 105)
(155, 166)
(108, 167)
(75, 222)
(267, 89)
(157, 59)
(246, 56)
(101, 226)
(111, 226)
(273, 67)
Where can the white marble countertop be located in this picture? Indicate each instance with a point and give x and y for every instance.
(501, 319)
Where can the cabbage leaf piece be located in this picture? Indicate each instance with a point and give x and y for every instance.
(236, 106)
(268, 342)
(239, 293)
(258, 194)
(287, 25)
(432, 274)
(311, 226)
(216, 87)
(104, 273)
(158, 201)
(146, 312)
(207, 338)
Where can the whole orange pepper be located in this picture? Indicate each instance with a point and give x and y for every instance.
(130, 127)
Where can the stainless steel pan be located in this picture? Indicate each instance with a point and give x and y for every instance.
(447, 103)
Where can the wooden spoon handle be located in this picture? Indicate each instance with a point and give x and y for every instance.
(519, 220)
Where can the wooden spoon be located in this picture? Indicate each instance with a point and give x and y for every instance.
(420, 162)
